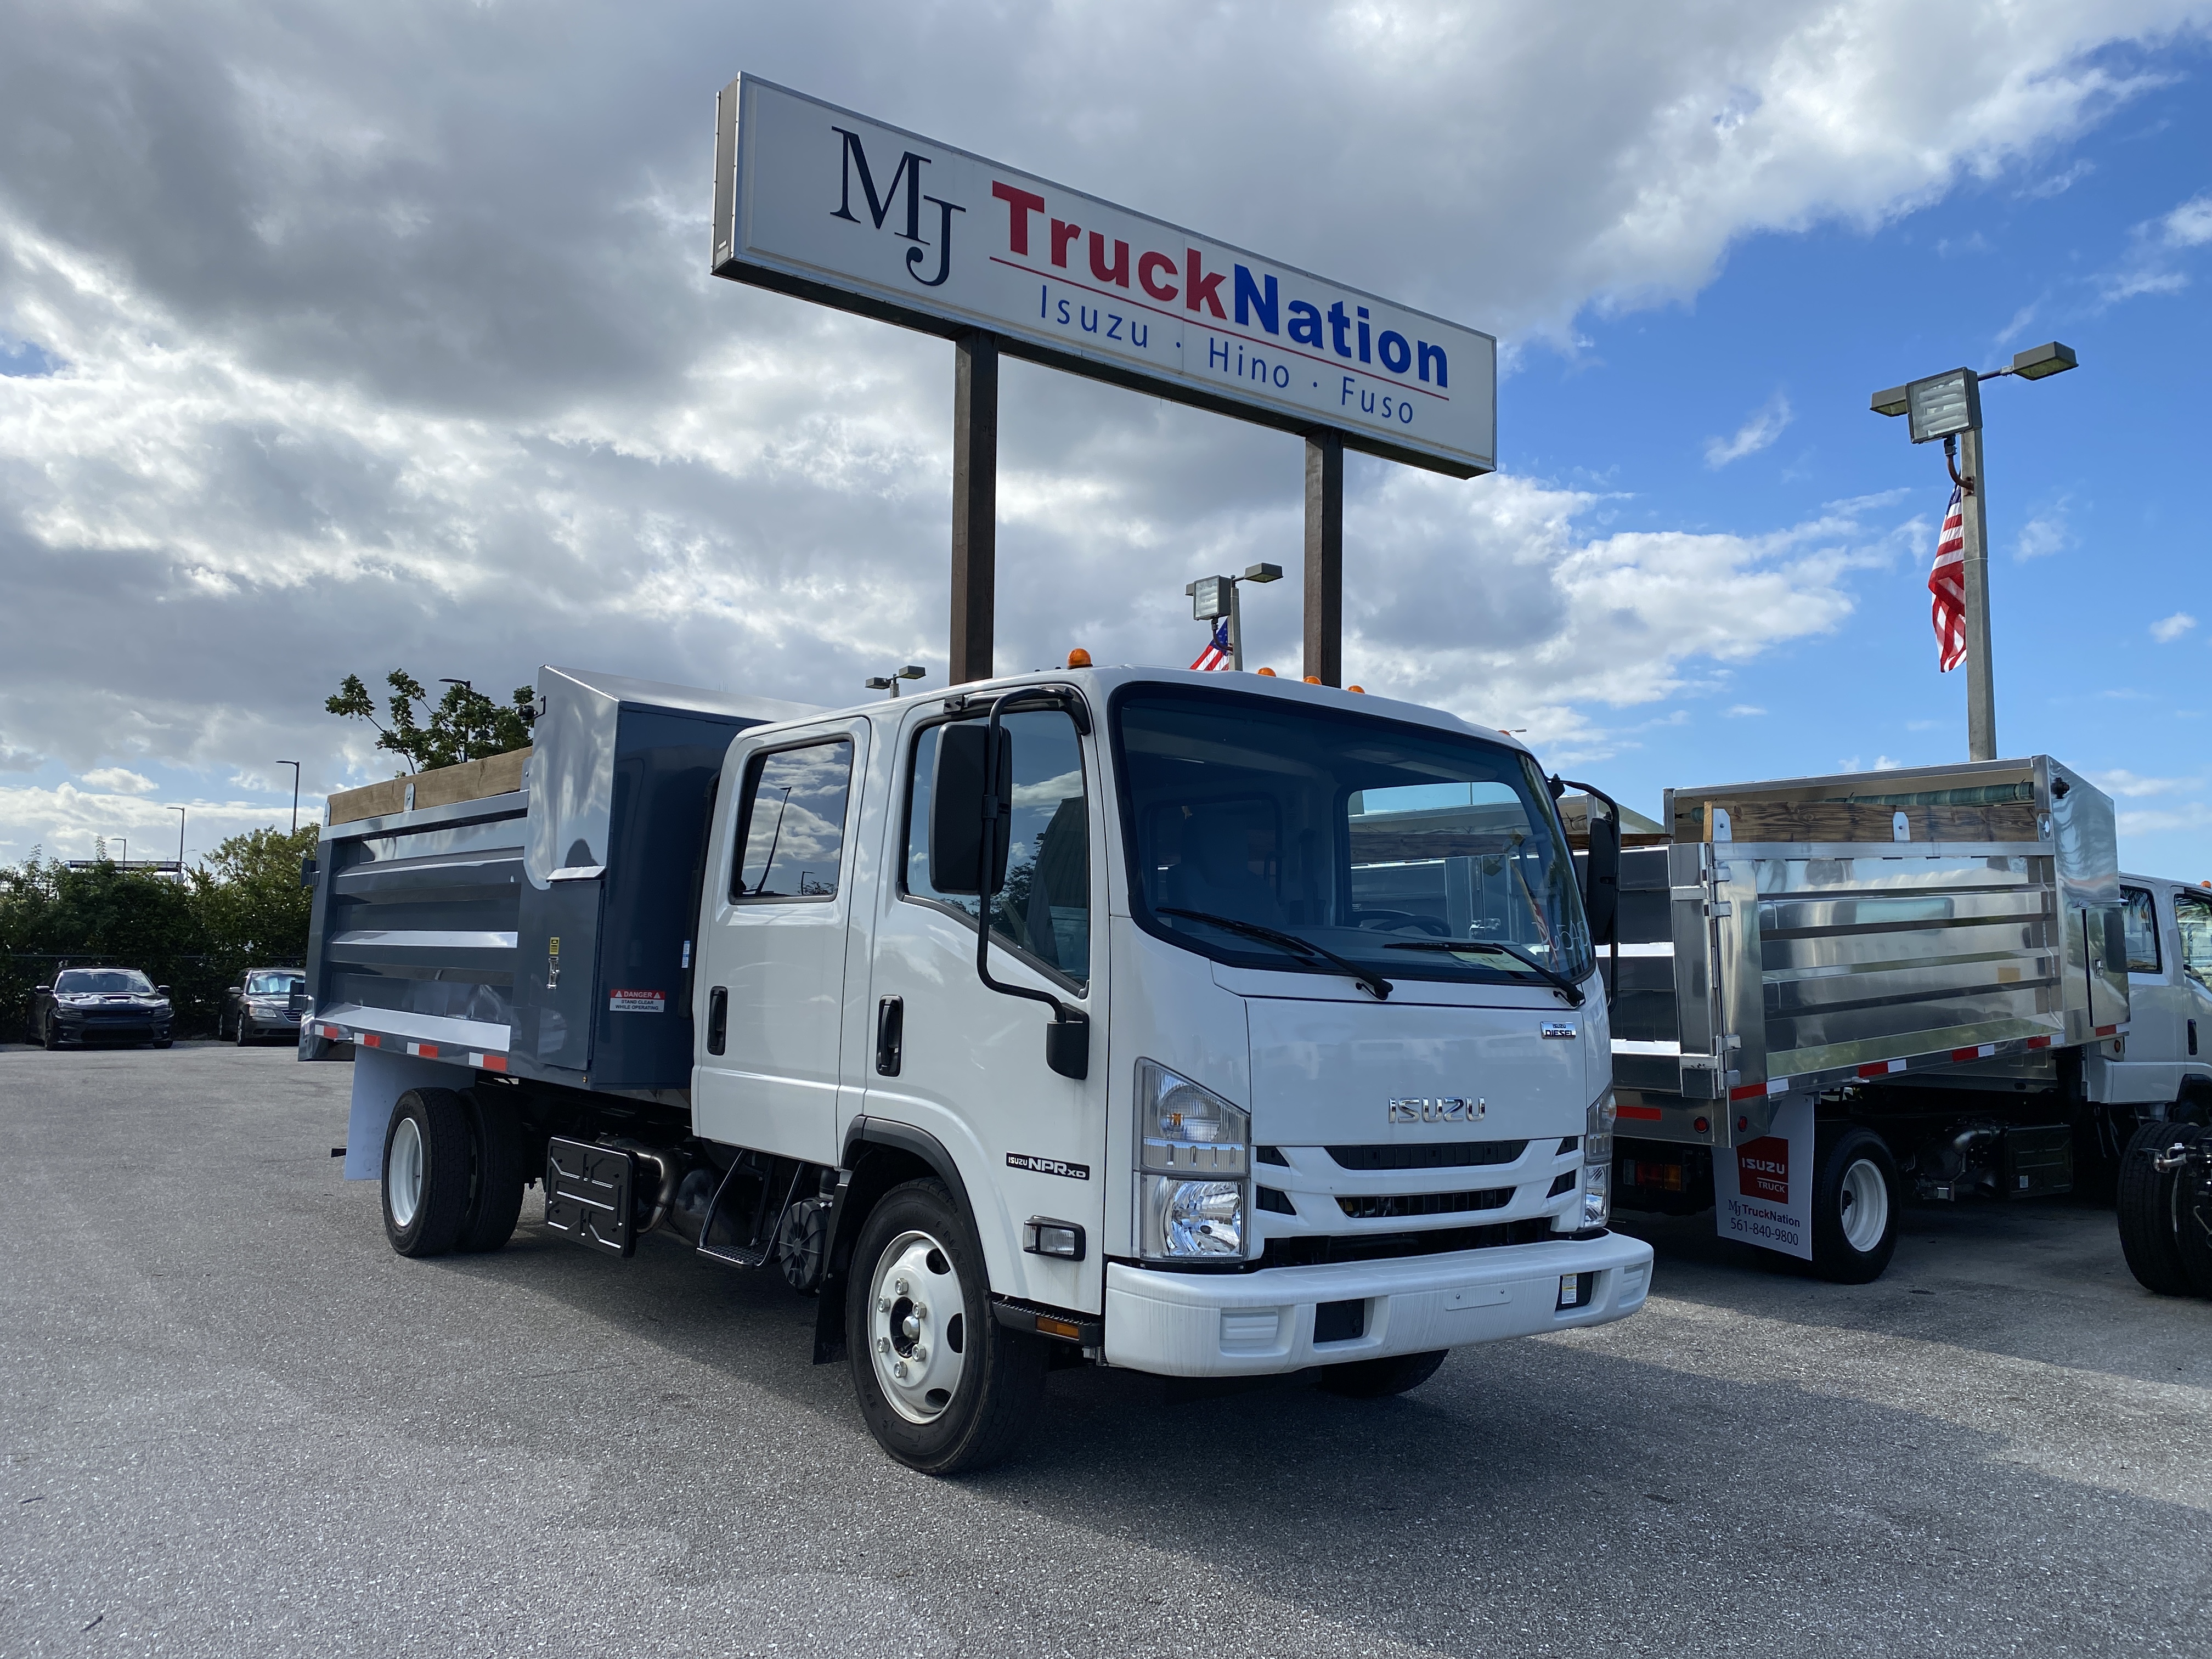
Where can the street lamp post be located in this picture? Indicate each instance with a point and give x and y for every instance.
(1212, 598)
(179, 811)
(295, 765)
(1949, 406)
(913, 671)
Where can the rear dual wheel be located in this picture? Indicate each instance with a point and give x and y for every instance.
(452, 1172)
(1855, 1206)
(2155, 1224)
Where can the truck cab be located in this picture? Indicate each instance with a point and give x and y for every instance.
(1201, 1024)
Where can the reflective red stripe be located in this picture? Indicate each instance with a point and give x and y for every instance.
(2039, 1043)
(495, 1062)
(1748, 1092)
(370, 1039)
(1649, 1113)
(2107, 1030)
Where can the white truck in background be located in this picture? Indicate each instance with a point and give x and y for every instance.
(1832, 996)
(1284, 1045)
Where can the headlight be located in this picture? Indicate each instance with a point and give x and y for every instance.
(1193, 1159)
(1597, 1161)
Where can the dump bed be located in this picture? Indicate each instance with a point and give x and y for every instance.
(1820, 931)
(531, 913)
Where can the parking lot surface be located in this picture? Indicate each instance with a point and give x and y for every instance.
(237, 1424)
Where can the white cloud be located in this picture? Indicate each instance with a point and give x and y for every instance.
(2044, 535)
(1743, 711)
(120, 779)
(2170, 628)
(400, 361)
(2133, 785)
(1765, 426)
(2059, 183)
(1883, 763)
(2189, 225)
(2160, 820)
(64, 821)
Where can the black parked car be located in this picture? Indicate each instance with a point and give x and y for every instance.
(85, 1005)
(260, 1003)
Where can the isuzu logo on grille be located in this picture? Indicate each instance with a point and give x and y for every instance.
(1438, 1109)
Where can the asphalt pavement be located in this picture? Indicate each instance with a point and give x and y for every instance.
(237, 1424)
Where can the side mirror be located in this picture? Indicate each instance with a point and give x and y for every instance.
(40, 990)
(296, 1004)
(307, 870)
(1601, 875)
(161, 990)
(959, 861)
(1067, 1048)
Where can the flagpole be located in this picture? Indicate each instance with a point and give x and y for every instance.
(1236, 627)
(1981, 691)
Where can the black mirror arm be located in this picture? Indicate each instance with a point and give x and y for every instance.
(1560, 786)
(1041, 696)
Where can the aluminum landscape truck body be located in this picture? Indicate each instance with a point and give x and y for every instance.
(1836, 994)
(1284, 1049)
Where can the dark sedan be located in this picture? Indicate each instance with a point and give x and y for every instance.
(85, 1005)
(260, 1004)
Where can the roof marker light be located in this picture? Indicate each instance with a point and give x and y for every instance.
(1078, 657)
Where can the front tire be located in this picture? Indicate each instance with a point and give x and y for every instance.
(2149, 1237)
(245, 1031)
(1854, 1206)
(1379, 1379)
(427, 1165)
(943, 1386)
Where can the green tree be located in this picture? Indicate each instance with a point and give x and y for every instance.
(52, 917)
(253, 910)
(463, 724)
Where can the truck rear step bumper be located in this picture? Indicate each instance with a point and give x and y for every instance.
(1251, 1324)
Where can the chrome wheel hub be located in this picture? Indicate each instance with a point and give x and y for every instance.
(402, 1172)
(917, 1338)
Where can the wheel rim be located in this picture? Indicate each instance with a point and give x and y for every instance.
(916, 1318)
(1865, 1206)
(402, 1172)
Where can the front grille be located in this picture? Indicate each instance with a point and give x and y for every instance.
(1320, 1250)
(1434, 1155)
(1389, 1206)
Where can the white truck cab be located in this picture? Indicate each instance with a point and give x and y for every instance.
(1283, 1045)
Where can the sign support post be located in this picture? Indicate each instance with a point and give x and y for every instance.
(1981, 668)
(975, 503)
(1324, 641)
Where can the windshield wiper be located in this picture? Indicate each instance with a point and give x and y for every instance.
(1374, 981)
(1566, 987)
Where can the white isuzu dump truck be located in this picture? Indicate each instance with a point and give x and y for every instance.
(1200, 1026)
(1834, 995)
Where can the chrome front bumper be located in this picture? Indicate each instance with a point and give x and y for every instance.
(1179, 1324)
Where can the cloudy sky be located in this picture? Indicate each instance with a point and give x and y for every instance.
(336, 339)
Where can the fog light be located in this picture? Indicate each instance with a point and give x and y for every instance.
(1597, 1194)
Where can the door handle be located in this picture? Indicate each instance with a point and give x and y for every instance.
(718, 1019)
(2192, 1037)
(890, 1035)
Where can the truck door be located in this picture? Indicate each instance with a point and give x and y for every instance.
(2192, 918)
(772, 952)
(967, 1064)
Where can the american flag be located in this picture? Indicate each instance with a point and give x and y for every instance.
(1946, 582)
(1216, 654)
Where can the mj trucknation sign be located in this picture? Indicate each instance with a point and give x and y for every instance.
(819, 202)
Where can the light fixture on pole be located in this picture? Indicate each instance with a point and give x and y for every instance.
(179, 811)
(1212, 598)
(295, 765)
(913, 671)
(1949, 406)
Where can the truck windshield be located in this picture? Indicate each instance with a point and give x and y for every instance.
(1381, 843)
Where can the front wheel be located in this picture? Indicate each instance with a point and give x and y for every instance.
(1854, 1206)
(1378, 1379)
(245, 1031)
(944, 1387)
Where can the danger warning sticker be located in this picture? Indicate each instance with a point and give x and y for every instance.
(637, 1002)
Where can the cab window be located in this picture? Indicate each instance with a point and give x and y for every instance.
(2141, 921)
(2193, 916)
(1043, 909)
(791, 824)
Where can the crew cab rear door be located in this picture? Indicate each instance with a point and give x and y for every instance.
(779, 898)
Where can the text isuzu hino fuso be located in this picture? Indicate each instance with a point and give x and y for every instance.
(1281, 1043)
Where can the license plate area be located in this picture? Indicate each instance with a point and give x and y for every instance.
(588, 1195)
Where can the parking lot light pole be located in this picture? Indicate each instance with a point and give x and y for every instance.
(1212, 598)
(295, 765)
(179, 811)
(1949, 406)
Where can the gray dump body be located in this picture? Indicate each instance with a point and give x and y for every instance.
(1819, 933)
(545, 932)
